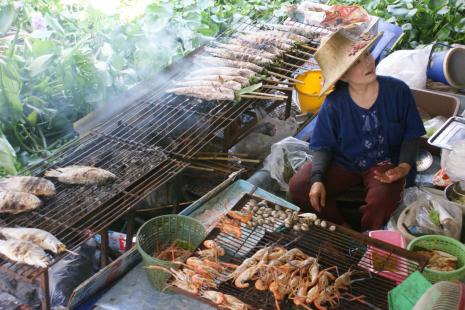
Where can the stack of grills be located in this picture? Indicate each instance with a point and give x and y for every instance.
(145, 145)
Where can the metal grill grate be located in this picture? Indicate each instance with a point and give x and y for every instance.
(145, 145)
(343, 248)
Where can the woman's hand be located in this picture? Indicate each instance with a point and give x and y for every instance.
(393, 174)
(317, 196)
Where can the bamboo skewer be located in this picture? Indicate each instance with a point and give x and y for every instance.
(263, 97)
(307, 46)
(201, 168)
(280, 82)
(223, 153)
(267, 94)
(303, 53)
(277, 87)
(283, 69)
(296, 58)
(291, 65)
(285, 77)
(71, 252)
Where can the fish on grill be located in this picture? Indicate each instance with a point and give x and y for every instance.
(281, 44)
(205, 92)
(32, 185)
(296, 29)
(228, 84)
(40, 237)
(261, 46)
(25, 252)
(17, 202)
(81, 175)
(220, 62)
(246, 49)
(242, 56)
(222, 71)
(221, 78)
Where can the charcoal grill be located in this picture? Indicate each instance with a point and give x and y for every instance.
(343, 248)
(145, 145)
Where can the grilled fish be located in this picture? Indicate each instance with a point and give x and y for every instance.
(32, 185)
(24, 252)
(264, 46)
(17, 202)
(246, 49)
(282, 44)
(81, 175)
(42, 238)
(205, 92)
(221, 62)
(228, 84)
(241, 56)
(222, 71)
(296, 29)
(220, 78)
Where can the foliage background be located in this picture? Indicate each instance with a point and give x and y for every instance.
(61, 59)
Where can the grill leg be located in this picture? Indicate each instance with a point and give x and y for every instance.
(45, 292)
(130, 231)
(104, 248)
(287, 111)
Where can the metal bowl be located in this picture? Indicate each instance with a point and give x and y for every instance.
(424, 160)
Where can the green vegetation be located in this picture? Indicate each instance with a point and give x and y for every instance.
(60, 60)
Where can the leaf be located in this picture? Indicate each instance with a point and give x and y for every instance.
(411, 13)
(32, 118)
(42, 47)
(7, 156)
(436, 5)
(397, 10)
(249, 89)
(7, 17)
(443, 34)
(11, 87)
(40, 64)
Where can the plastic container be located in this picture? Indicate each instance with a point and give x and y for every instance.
(163, 231)
(396, 267)
(308, 93)
(447, 67)
(445, 244)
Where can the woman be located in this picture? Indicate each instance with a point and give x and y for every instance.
(367, 133)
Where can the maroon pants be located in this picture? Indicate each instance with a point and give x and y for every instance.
(380, 201)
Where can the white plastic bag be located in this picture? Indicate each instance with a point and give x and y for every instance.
(432, 125)
(434, 214)
(286, 157)
(407, 65)
(257, 144)
(455, 164)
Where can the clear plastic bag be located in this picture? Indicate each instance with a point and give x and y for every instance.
(455, 164)
(432, 125)
(286, 157)
(434, 214)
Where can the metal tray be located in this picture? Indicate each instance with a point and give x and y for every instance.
(450, 133)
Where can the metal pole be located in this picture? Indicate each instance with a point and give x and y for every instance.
(45, 291)
(104, 248)
(130, 232)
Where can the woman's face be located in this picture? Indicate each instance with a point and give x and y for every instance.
(362, 71)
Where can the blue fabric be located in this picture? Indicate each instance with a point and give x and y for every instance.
(360, 138)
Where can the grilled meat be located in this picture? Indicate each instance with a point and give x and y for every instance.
(24, 252)
(282, 44)
(205, 92)
(81, 175)
(222, 71)
(228, 84)
(221, 62)
(17, 202)
(242, 56)
(246, 49)
(264, 46)
(296, 29)
(32, 185)
(221, 78)
(42, 238)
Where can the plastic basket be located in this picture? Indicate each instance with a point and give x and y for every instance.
(163, 231)
(445, 244)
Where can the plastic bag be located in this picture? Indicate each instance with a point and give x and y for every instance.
(434, 214)
(432, 125)
(286, 157)
(408, 65)
(455, 164)
(270, 130)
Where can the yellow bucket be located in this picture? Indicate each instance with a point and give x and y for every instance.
(308, 93)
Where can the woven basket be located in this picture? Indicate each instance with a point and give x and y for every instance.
(445, 244)
(163, 231)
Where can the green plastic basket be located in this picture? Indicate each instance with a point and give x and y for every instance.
(163, 231)
(445, 244)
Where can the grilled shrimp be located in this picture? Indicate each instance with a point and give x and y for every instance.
(240, 216)
(233, 303)
(216, 297)
(245, 276)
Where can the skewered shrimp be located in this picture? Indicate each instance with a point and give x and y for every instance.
(229, 227)
(233, 303)
(241, 216)
(216, 297)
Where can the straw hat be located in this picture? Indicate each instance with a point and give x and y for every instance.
(338, 52)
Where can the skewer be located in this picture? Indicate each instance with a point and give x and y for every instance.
(71, 252)
(279, 82)
(255, 161)
(201, 168)
(291, 65)
(283, 69)
(285, 77)
(303, 53)
(263, 97)
(267, 94)
(277, 87)
(296, 58)
(307, 46)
